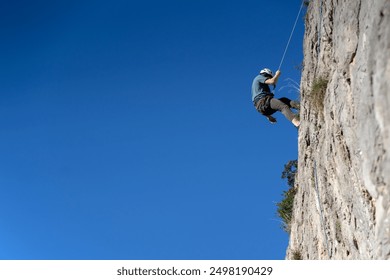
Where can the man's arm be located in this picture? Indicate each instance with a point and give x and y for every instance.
(274, 79)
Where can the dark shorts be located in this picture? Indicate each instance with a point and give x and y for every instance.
(263, 106)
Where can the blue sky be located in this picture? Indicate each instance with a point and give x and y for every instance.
(127, 129)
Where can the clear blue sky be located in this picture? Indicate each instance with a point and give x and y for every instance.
(128, 132)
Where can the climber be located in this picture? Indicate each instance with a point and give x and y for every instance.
(265, 102)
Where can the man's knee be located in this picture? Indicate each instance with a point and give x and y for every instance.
(283, 106)
(285, 100)
(279, 105)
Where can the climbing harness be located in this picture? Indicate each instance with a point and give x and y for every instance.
(292, 32)
(320, 210)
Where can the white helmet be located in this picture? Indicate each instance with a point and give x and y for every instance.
(267, 72)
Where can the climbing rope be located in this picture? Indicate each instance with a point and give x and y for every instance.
(320, 210)
(289, 39)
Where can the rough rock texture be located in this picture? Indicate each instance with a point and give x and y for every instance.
(342, 205)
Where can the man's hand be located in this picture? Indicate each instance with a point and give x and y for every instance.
(271, 119)
(274, 79)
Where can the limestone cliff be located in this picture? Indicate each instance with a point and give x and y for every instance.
(342, 204)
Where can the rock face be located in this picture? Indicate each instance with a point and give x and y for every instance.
(342, 204)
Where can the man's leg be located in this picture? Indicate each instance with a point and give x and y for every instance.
(290, 103)
(295, 105)
(276, 104)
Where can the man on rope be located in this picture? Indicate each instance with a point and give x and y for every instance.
(265, 102)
